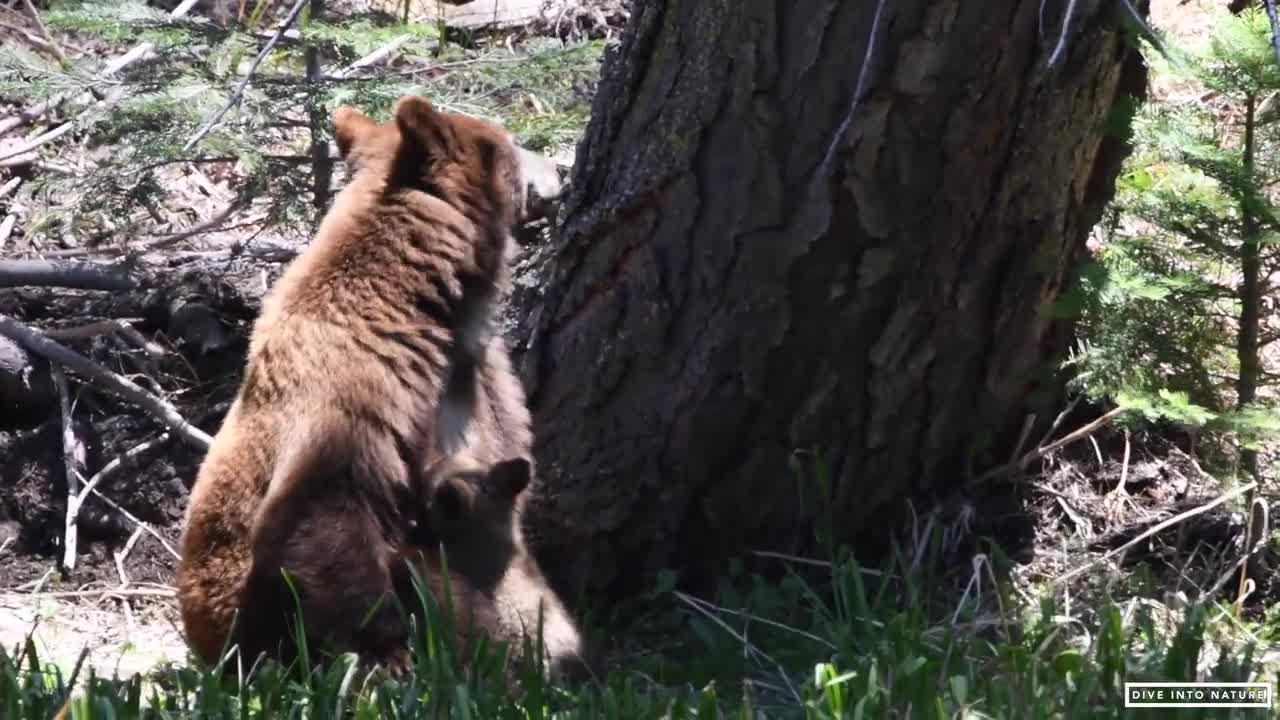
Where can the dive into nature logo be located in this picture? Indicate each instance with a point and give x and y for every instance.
(1197, 695)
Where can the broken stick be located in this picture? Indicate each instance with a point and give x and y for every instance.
(73, 455)
(37, 342)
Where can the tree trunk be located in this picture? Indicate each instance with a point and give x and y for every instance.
(756, 260)
(1250, 291)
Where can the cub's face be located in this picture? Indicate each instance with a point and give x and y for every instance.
(472, 514)
(467, 161)
(471, 511)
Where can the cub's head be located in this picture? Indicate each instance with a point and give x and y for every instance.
(473, 514)
(468, 162)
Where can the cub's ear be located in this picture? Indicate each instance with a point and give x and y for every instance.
(511, 477)
(423, 129)
(349, 125)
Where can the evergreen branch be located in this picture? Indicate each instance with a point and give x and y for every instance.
(238, 95)
(138, 52)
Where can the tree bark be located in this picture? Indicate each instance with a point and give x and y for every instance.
(1250, 291)
(755, 261)
(321, 163)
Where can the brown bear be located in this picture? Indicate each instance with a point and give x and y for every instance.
(473, 516)
(318, 468)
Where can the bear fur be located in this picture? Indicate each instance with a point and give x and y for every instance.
(350, 387)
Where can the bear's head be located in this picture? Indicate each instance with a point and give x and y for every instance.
(471, 163)
(473, 515)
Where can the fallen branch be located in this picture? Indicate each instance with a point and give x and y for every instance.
(15, 158)
(36, 41)
(238, 94)
(372, 58)
(10, 186)
(6, 228)
(1180, 517)
(1033, 455)
(37, 342)
(207, 226)
(80, 276)
(73, 462)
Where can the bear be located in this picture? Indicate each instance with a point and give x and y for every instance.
(465, 549)
(472, 520)
(323, 457)
(487, 410)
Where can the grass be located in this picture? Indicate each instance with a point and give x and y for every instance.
(839, 642)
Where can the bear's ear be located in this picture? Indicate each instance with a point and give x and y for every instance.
(423, 129)
(349, 125)
(511, 477)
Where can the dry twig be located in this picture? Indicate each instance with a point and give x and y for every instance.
(19, 156)
(124, 578)
(1032, 456)
(165, 241)
(697, 604)
(6, 228)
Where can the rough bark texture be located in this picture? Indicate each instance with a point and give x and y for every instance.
(752, 263)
